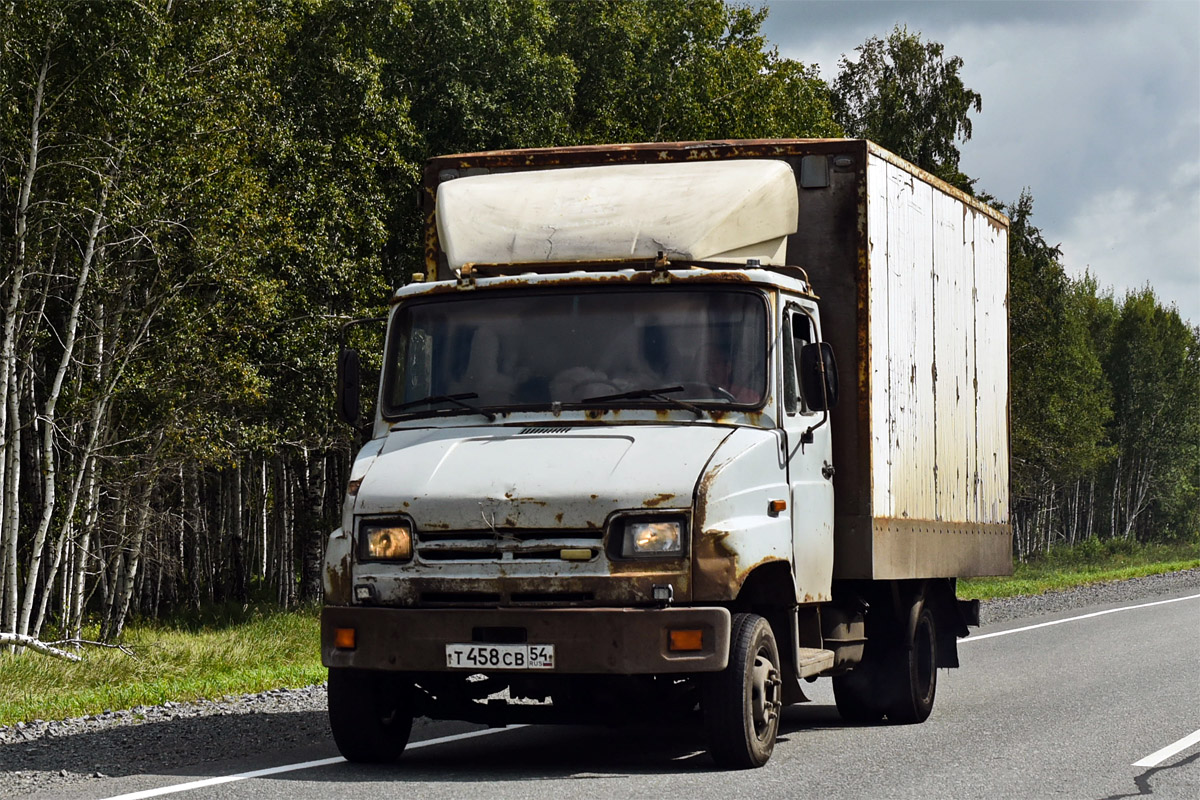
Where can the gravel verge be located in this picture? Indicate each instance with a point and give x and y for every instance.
(1115, 592)
(45, 755)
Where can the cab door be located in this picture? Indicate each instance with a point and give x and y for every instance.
(809, 457)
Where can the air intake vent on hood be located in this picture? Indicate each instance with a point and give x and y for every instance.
(545, 429)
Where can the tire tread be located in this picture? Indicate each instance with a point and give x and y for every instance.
(356, 698)
(723, 699)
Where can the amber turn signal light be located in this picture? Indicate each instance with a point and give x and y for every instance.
(775, 506)
(685, 640)
(343, 638)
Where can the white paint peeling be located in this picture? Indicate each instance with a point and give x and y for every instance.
(939, 353)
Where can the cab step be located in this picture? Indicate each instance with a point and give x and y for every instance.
(812, 661)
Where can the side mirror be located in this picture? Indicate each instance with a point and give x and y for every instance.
(349, 386)
(818, 376)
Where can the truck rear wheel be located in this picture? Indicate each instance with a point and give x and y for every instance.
(857, 696)
(899, 680)
(913, 673)
(370, 714)
(741, 704)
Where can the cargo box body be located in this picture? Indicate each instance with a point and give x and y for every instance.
(912, 278)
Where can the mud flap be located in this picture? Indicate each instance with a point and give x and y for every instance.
(969, 611)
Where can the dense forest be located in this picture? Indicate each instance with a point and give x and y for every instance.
(195, 196)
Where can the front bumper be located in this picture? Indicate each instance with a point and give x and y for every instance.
(614, 641)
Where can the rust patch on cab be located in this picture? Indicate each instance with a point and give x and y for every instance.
(715, 575)
(658, 499)
(714, 568)
(339, 582)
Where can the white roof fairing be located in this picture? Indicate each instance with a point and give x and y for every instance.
(724, 211)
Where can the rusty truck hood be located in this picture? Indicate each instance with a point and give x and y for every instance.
(569, 477)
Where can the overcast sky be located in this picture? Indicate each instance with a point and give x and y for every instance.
(1093, 106)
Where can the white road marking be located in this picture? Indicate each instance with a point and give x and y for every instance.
(981, 637)
(260, 773)
(1159, 756)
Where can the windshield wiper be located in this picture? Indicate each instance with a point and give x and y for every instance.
(456, 399)
(656, 394)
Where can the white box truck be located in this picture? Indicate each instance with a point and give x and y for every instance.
(672, 428)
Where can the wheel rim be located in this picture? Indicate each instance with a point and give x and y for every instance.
(764, 694)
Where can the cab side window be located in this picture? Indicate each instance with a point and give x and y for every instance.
(797, 332)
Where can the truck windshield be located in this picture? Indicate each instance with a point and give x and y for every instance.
(581, 348)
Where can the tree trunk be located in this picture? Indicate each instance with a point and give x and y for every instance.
(12, 518)
(20, 640)
(133, 561)
(1116, 494)
(237, 536)
(111, 574)
(192, 490)
(308, 520)
(1091, 507)
(82, 552)
(49, 417)
(8, 344)
(263, 518)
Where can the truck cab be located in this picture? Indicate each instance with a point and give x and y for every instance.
(600, 480)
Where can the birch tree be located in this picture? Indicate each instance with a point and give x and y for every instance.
(1154, 366)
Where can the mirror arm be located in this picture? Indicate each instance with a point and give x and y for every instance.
(807, 436)
(346, 326)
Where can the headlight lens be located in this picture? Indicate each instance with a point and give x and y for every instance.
(386, 540)
(651, 538)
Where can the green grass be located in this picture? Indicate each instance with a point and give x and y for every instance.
(234, 650)
(1087, 563)
(182, 662)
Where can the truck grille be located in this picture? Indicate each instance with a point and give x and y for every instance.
(507, 545)
(491, 599)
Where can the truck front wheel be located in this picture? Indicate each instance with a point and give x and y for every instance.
(741, 704)
(370, 714)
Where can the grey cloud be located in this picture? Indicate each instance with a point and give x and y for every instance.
(882, 14)
(1083, 103)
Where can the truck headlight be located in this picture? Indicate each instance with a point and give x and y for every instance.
(652, 538)
(385, 540)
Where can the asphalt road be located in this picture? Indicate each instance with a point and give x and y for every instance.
(1037, 710)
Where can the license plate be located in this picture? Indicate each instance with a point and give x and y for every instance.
(500, 656)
